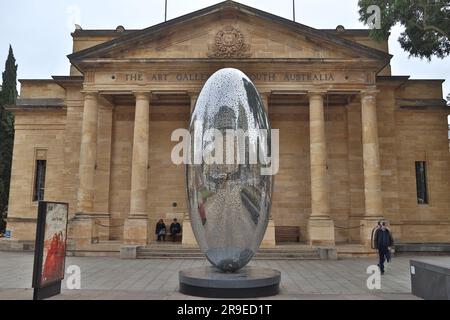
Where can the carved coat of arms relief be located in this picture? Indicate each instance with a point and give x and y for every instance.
(230, 43)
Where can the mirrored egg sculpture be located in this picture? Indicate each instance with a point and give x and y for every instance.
(229, 197)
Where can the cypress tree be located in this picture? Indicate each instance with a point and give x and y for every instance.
(8, 96)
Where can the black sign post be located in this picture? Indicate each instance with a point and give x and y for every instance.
(50, 249)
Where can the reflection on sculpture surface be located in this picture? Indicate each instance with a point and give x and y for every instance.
(229, 203)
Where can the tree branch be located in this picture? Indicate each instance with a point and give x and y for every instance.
(425, 26)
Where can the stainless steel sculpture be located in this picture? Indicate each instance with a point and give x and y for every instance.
(229, 202)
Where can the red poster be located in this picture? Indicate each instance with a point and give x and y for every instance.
(54, 249)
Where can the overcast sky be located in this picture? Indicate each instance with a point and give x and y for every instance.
(39, 31)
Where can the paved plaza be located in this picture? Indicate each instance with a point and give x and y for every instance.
(113, 278)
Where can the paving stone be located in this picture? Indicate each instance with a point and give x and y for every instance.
(111, 278)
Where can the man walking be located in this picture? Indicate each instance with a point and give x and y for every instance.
(383, 240)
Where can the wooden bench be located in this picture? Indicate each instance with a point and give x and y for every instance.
(178, 238)
(287, 234)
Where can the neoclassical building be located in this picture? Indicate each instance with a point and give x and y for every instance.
(357, 144)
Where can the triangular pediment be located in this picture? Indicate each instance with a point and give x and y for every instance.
(229, 30)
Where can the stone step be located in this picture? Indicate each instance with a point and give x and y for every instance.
(190, 251)
(257, 256)
(202, 257)
(275, 249)
(188, 254)
(194, 253)
(144, 252)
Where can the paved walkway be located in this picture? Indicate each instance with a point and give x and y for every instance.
(112, 278)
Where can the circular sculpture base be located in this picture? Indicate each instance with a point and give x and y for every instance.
(249, 282)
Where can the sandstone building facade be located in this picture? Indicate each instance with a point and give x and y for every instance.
(357, 144)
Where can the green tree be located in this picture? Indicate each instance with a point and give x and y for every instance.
(426, 22)
(8, 96)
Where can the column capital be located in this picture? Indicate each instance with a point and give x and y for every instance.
(90, 94)
(317, 93)
(144, 95)
(369, 92)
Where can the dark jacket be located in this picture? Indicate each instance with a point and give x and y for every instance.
(159, 227)
(383, 239)
(175, 228)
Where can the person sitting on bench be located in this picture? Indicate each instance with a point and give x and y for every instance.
(175, 229)
(161, 230)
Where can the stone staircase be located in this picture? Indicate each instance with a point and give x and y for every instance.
(178, 252)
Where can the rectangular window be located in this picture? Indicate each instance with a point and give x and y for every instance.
(421, 181)
(39, 180)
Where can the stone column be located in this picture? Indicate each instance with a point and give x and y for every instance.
(103, 172)
(269, 237)
(320, 225)
(188, 238)
(136, 225)
(371, 158)
(83, 225)
(88, 153)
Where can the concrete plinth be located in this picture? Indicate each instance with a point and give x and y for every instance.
(128, 252)
(430, 278)
(249, 282)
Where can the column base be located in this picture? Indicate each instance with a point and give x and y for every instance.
(321, 232)
(368, 226)
(269, 236)
(188, 238)
(101, 223)
(135, 231)
(82, 230)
